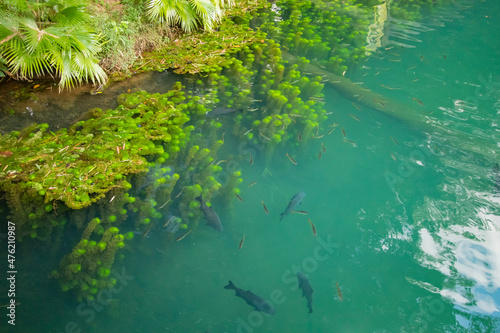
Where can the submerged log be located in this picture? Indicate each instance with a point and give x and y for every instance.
(403, 112)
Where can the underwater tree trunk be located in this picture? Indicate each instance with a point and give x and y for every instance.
(403, 112)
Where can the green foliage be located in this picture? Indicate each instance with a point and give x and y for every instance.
(49, 38)
(188, 14)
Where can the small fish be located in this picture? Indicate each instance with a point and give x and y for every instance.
(324, 148)
(251, 129)
(183, 236)
(319, 156)
(221, 161)
(265, 208)
(294, 202)
(37, 85)
(356, 106)
(239, 198)
(164, 204)
(343, 132)
(242, 241)
(393, 156)
(180, 193)
(313, 228)
(300, 138)
(417, 101)
(379, 102)
(306, 289)
(291, 159)
(390, 88)
(265, 137)
(222, 111)
(351, 142)
(340, 294)
(354, 117)
(147, 231)
(301, 212)
(251, 159)
(421, 58)
(395, 141)
(169, 220)
(252, 184)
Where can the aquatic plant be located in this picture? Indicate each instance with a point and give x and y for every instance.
(87, 268)
(331, 34)
(73, 168)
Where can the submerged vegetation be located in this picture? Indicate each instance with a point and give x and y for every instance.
(139, 169)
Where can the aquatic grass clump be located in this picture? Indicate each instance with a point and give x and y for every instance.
(73, 168)
(87, 267)
(332, 34)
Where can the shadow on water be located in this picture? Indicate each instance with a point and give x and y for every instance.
(46, 105)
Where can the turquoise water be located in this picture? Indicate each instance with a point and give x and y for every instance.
(406, 214)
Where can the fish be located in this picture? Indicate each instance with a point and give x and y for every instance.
(242, 241)
(319, 156)
(258, 303)
(145, 234)
(340, 294)
(294, 202)
(183, 236)
(306, 289)
(265, 208)
(353, 117)
(212, 219)
(301, 212)
(418, 101)
(252, 184)
(395, 141)
(390, 88)
(251, 159)
(222, 111)
(300, 137)
(343, 132)
(239, 198)
(313, 228)
(291, 159)
(351, 142)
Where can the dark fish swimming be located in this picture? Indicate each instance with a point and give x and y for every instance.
(252, 299)
(296, 200)
(212, 219)
(306, 289)
(222, 111)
